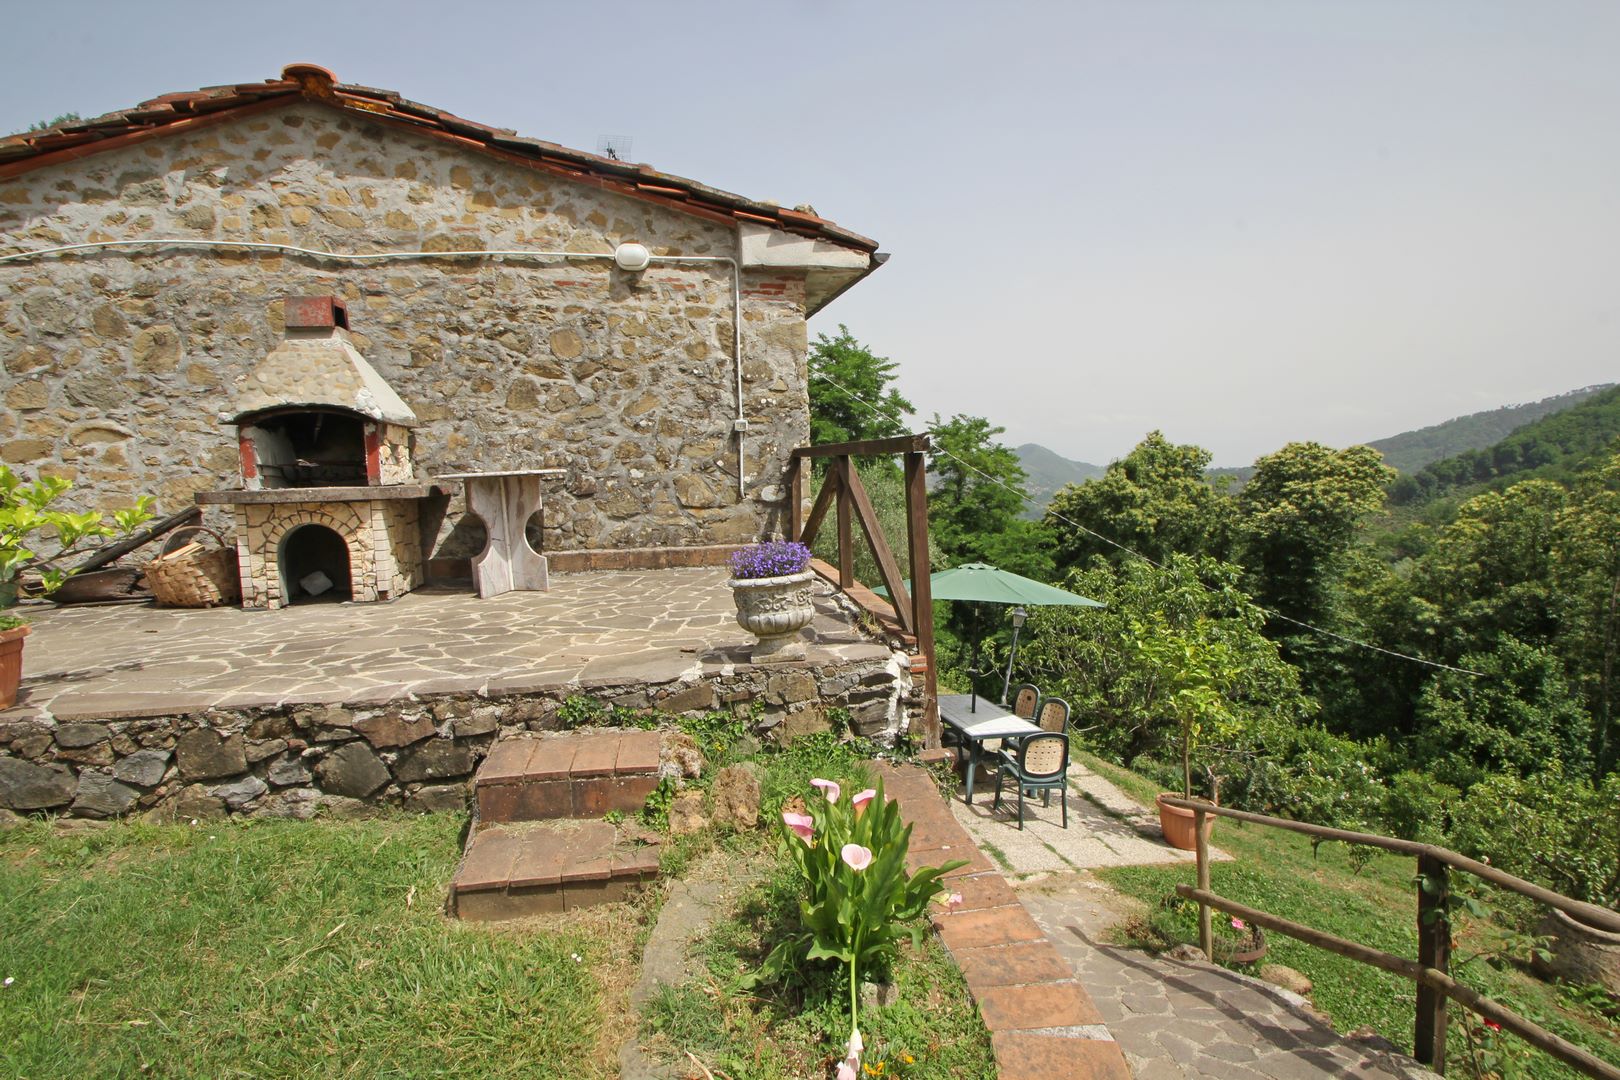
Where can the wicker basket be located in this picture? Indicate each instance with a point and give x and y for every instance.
(196, 577)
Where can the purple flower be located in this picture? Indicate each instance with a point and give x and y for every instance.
(775, 558)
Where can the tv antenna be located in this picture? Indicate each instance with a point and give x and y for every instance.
(617, 147)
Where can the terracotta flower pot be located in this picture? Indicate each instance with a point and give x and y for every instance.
(774, 610)
(1177, 824)
(11, 650)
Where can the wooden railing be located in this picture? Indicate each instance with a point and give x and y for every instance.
(842, 489)
(1431, 970)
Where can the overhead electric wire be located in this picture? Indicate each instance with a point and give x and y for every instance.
(1025, 497)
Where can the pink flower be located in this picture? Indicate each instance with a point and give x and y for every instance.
(846, 1070)
(953, 901)
(857, 857)
(1239, 924)
(803, 825)
(859, 801)
(830, 787)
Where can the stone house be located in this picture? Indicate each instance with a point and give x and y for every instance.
(669, 383)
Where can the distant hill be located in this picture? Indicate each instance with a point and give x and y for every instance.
(1049, 473)
(1412, 450)
(1555, 447)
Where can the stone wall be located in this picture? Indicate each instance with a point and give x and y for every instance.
(298, 761)
(116, 365)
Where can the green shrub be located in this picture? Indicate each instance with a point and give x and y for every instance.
(1560, 833)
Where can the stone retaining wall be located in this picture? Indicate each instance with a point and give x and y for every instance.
(296, 761)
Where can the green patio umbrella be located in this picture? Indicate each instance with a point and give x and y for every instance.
(981, 583)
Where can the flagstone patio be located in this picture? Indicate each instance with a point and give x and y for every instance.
(597, 629)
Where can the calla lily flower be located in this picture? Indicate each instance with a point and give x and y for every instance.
(829, 787)
(846, 1070)
(803, 825)
(859, 801)
(857, 857)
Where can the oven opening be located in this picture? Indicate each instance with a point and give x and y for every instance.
(315, 566)
(308, 448)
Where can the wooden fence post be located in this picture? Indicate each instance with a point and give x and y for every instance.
(795, 494)
(1434, 951)
(1206, 933)
(922, 595)
(846, 537)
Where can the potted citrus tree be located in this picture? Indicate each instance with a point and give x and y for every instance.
(27, 515)
(771, 585)
(1196, 669)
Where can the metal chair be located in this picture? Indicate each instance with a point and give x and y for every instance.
(1042, 764)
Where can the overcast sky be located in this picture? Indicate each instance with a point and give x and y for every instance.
(1240, 223)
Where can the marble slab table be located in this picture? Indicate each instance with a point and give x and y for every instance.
(505, 501)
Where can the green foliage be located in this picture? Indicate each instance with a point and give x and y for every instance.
(580, 711)
(27, 510)
(1516, 718)
(841, 367)
(859, 901)
(1417, 806)
(655, 811)
(1410, 451)
(1124, 696)
(975, 504)
(1561, 832)
(1557, 447)
(788, 1029)
(1300, 513)
(64, 118)
(1155, 500)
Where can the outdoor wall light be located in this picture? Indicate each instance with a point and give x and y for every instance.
(1018, 617)
(632, 257)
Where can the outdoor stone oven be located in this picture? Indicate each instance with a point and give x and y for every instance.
(329, 507)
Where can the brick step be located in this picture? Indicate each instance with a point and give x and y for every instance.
(567, 776)
(512, 871)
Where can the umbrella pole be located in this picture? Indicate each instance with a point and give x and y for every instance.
(1012, 654)
(973, 668)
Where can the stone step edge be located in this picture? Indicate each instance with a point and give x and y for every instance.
(635, 753)
(619, 867)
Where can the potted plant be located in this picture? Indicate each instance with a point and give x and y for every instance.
(771, 585)
(1195, 667)
(26, 511)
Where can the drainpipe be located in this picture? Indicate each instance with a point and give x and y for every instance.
(739, 424)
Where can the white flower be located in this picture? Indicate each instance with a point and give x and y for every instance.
(8, 982)
(577, 960)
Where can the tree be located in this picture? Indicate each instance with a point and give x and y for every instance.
(1125, 693)
(850, 393)
(976, 499)
(1155, 500)
(1300, 513)
(1587, 574)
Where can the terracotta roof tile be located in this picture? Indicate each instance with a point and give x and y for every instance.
(29, 150)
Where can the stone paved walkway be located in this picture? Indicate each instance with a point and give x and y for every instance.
(1173, 1019)
(596, 628)
(1106, 828)
(1190, 1020)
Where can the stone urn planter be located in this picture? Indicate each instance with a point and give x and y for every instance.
(11, 653)
(771, 584)
(1580, 954)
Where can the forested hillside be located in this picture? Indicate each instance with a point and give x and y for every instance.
(1556, 447)
(1412, 450)
(1048, 473)
(1465, 694)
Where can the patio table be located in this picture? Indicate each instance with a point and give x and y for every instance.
(505, 501)
(976, 720)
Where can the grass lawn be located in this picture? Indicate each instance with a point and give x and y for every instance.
(271, 948)
(1374, 904)
(797, 1029)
